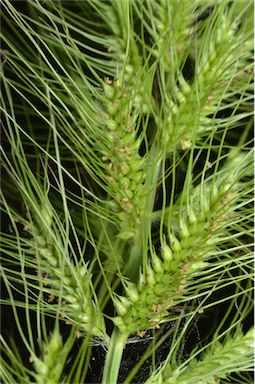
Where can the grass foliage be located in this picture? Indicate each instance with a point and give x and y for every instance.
(127, 189)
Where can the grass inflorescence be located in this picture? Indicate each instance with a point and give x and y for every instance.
(127, 190)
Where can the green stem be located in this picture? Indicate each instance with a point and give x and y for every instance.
(113, 357)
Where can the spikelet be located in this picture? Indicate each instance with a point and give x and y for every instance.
(49, 367)
(186, 116)
(171, 31)
(126, 100)
(132, 292)
(72, 281)
(218, 360)
(124, 165)
(165, 277)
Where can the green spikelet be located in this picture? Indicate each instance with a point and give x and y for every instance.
(217, 361)
(48, 369)
(187, 117)
(122, 160)
(165, 279)
(73, 283)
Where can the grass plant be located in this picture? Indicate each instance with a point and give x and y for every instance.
(127, 191)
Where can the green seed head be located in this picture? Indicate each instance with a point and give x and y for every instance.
(70, 299)
(112, 124)
(118, 321)
(109, 91)
(41, 241)
(167, 254)
(45, 252)
(121, 305)
(197, 266)
(214, 194)
(176, 246)
(192, 217)
(41, 368)
(129, 69)
(55, 342)
(157, 264)
(150, 275)
(132, 292)
(83, 271)
(184, 229)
